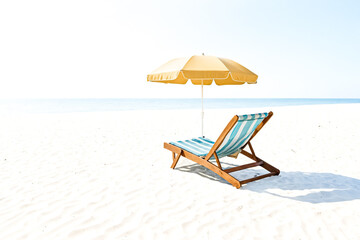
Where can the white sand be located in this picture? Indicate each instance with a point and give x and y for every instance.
(107, 176)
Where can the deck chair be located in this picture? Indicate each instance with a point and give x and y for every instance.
(236, 136)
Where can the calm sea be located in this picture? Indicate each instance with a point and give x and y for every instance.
(120, 104)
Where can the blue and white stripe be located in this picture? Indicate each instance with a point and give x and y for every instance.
(240, 133)
(198, 146)
(233, 141)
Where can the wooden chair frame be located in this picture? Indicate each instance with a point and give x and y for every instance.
(177, 152)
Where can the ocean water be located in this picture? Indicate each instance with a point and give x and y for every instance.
(15, 106)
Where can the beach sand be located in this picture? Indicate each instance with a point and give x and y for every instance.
(107, 176)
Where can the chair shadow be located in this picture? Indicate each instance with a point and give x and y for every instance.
(310, 187)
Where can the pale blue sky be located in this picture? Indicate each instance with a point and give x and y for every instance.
(105, 49)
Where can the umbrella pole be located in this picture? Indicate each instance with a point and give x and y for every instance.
(202, 108)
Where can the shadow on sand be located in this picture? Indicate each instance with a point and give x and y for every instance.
(308, 187)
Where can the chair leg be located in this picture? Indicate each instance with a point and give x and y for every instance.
(264, 164)
(217, 161)
(175, 150)
(258, 162)
(233, 181)
(175, 159)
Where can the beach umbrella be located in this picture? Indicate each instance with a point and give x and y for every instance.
(202, 70)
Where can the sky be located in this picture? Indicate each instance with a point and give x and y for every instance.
(105, 48)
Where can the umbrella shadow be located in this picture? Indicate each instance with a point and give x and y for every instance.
(310, 187)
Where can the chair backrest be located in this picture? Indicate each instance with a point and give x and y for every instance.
(240, 133)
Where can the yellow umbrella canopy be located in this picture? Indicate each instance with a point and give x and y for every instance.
(203, 70)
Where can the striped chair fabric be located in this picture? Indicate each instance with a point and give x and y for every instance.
(237, 137)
